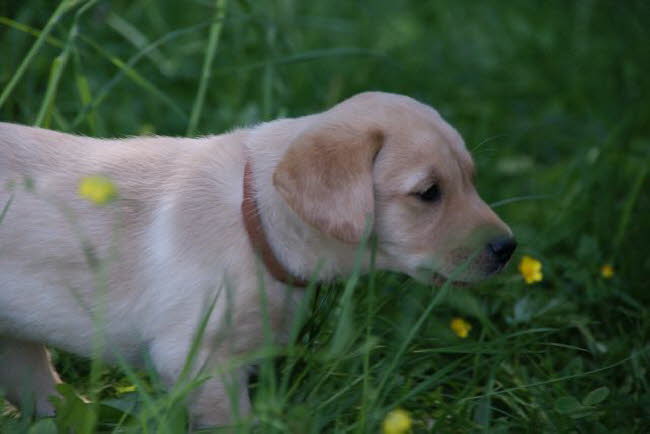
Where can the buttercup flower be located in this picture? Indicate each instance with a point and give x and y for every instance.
(397, 421)
(97, 189)
(460, 327)
(530, 269)
(607, 271)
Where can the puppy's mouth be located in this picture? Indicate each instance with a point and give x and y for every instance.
(426, 275)
(439, 280)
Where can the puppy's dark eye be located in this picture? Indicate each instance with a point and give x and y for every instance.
(432, 194)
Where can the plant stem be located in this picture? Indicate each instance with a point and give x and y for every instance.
(215, 32)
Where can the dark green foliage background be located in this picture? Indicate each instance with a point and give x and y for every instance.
(552, 99)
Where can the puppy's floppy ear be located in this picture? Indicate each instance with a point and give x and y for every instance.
(326, 178)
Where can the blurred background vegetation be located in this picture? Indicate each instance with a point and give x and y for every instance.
(550, 96)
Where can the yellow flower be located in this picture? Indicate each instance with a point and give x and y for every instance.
(531, 269)
(460, 327)
(607, 271)
(397, 421)
(97, 189)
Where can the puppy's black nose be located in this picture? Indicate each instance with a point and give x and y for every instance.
(502, 248)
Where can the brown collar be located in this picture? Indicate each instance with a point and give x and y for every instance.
(257, 235)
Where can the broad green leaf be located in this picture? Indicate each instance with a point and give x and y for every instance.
(43, 426)
(596, 396)
(72, 413)
(567, 404)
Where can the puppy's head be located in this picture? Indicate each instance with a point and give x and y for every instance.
(392, 164)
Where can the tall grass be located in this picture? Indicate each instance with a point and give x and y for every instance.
(550, 96)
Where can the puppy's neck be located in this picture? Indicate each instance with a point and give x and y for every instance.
(305, 252)
(257, 234)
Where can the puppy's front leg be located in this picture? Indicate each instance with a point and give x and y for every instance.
(26, 375)
(220, 400)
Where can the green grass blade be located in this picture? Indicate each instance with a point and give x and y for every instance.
(126, 68)
(215, 32)
(138, 40)
(629, 206)
(58, 65)
(31, 31)
(63, 7)
(57, 68)
(5, 209)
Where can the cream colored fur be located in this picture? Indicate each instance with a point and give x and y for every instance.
(146, 266)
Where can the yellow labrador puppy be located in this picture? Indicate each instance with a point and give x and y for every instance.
(284, 201)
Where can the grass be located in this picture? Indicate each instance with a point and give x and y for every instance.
(551, 97)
